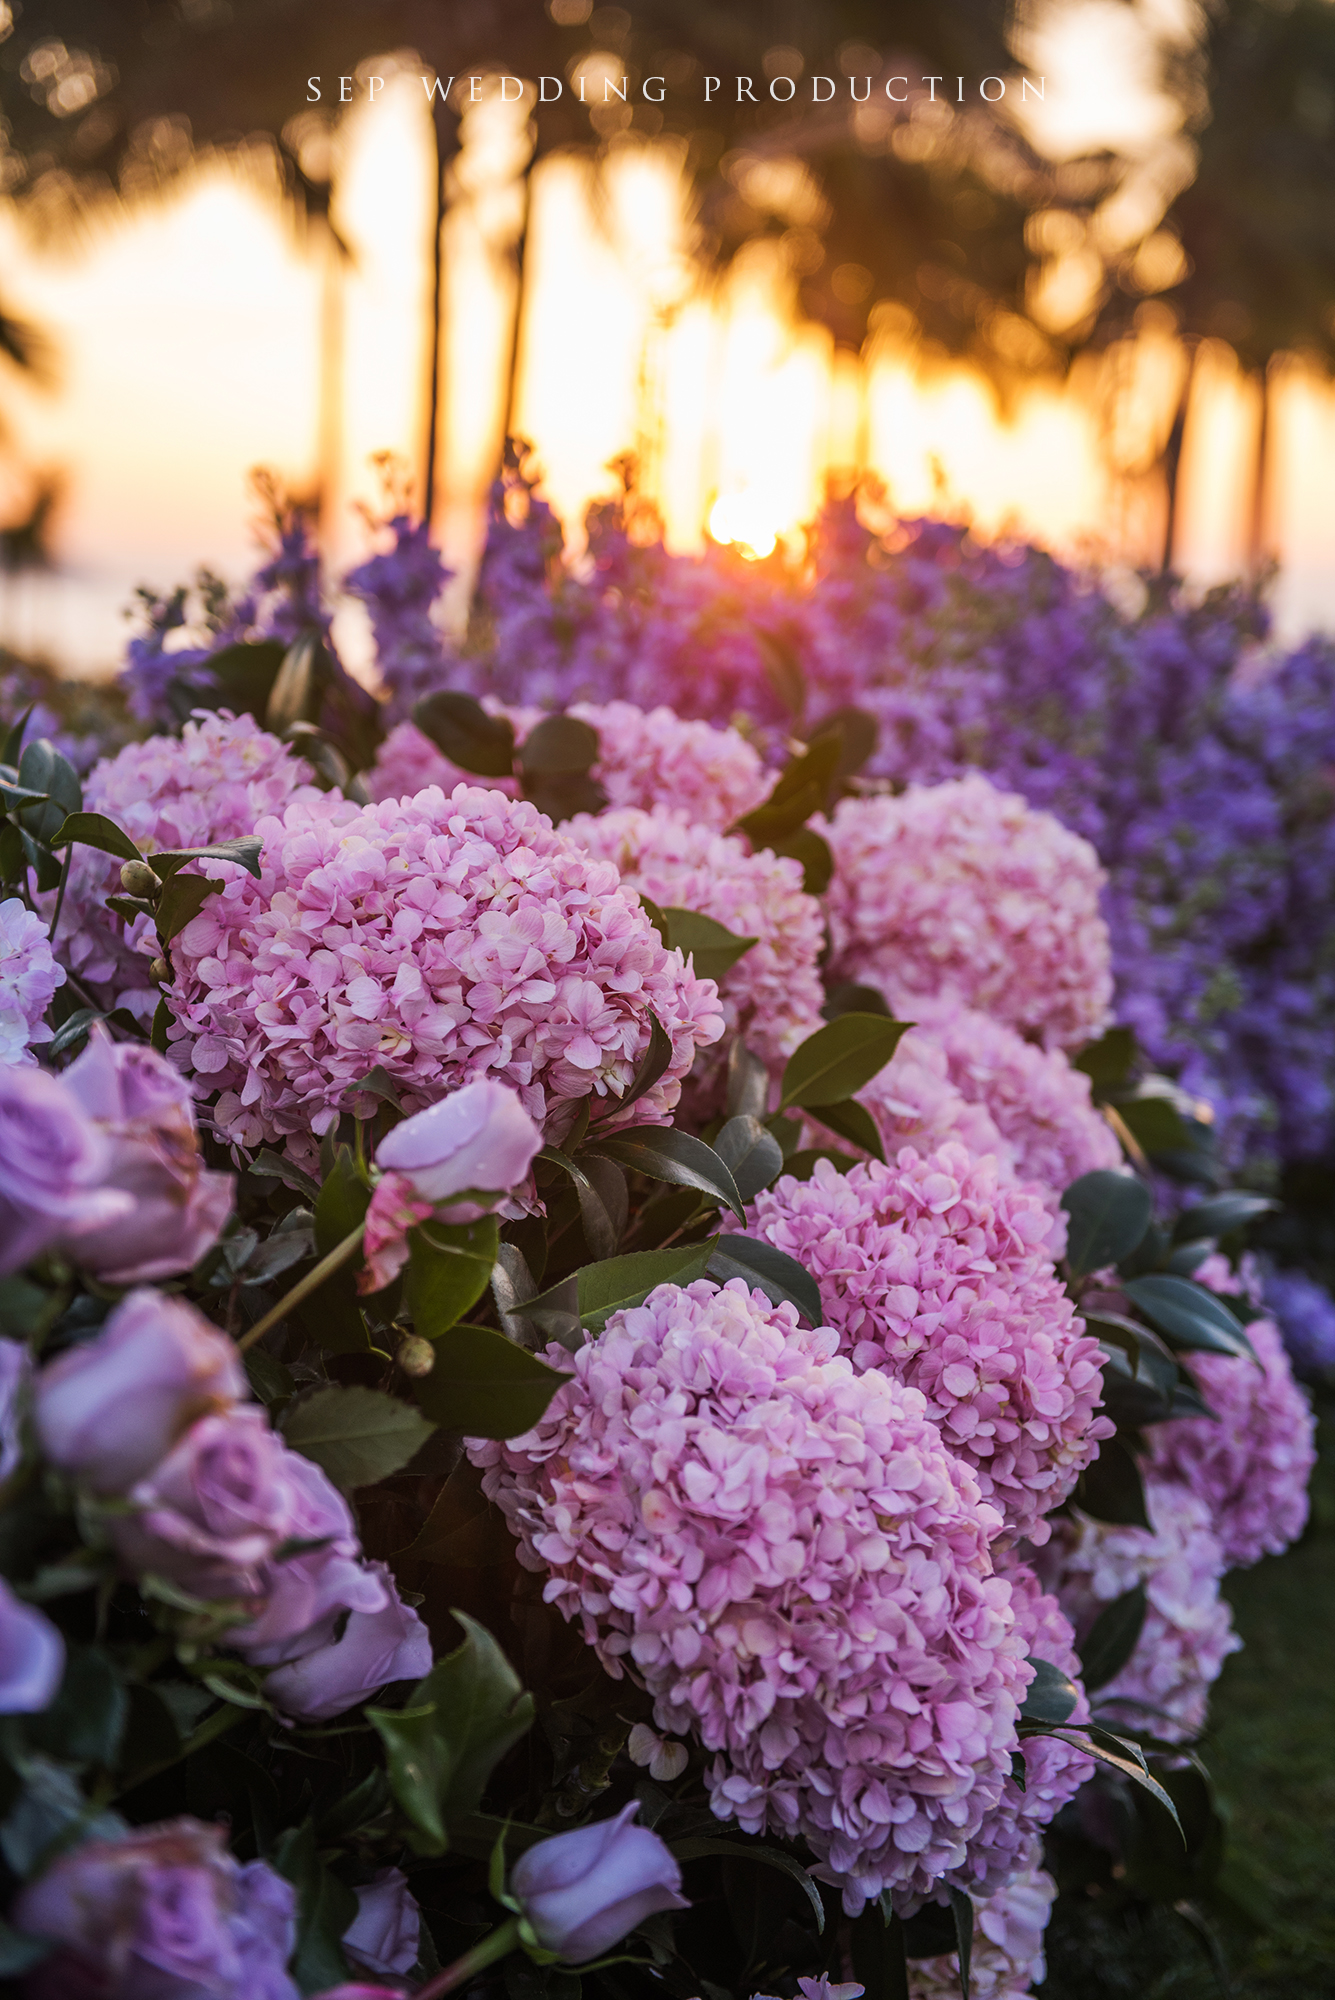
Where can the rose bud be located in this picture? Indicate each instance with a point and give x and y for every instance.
(478, 1143)
(144, 1108)
(108, 1411)
(163, 1911)
(579, 1893)
(52, 1163)
(138, 879)
(375, 1647)
(385, 1935)
(32, 1657)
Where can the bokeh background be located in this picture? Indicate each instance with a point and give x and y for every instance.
(1101, 318)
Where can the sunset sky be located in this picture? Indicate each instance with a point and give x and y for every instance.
(190, 338)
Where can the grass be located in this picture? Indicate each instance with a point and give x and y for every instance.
(1272, 1753)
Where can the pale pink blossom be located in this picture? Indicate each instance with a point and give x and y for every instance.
(939, 1270)
(441, 939)
(29, 977)
(786, 1556)
(1007, 1959)
(962, 892)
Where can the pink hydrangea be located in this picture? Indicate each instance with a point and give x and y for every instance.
(442, 939)
(1054, 1770)
(786, 1556)
(939, 1270)
(1252, 1464)
(963, 892)
(772, 996)
(215, 781)
(1038, 1103)
(29, 976)
(647, 758)
(1007, 1961)
(915, 1103)
(1188, 1630)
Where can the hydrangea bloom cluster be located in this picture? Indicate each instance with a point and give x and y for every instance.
(645, 758)
(1251, 1465)
(1039, 1104)
(1008, 1960)
(785, 1554)
(440, 938)
(772, 996)
(939, 1270)
(963, 892)
(214, 781)
(915, 1103)
(1188, 1630)
(29, 976)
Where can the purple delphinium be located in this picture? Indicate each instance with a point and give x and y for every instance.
(399, 585)
(1305, 1313)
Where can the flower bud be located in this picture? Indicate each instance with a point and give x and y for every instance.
(159, 971)
(416, 1357)
(138, 879)
(581, 1892)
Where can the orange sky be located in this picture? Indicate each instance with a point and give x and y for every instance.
(189, 338)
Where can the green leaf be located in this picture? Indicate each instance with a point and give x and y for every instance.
(814, 853)
(747, 1082)
(665, 1154)
(244, 674)
(1107, 1061)
(379, 1083)
(1109, 1213)
(331, 1315)
(879, 1952)
(802, 1165)
(484, 1386)
(559, 746)
(1154, 1122)
(457, 1725)
(96, 830)
(1112, 1639)
(858, 733)
(449, 1268)
(712, 946)
(839, 1059)
(648, 1069)
(42, 768)
(655, 916)
(850, 998)
(326, 1908)
(1221, 1215)
(961, 1908)
(162, 1020)
(297, 688)
(75, 1029)
(1051, 1696)
(1111, 1489)
(12, 748)
(19, 1953)
(620, 1282)
(776, 819)
(272, 1166)
(704, 1848)
(751, 1153)
(182, 899)
(1126, 1758)
(22, 1305)
(779, 1276)
(602, 1232)
(851, 1121)
(1187, 1315)
(86, 1721)
(358, 1436)
(245, 851)
(461, 728)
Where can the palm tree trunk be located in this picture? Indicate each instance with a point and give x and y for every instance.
(1172, 457)
(512, 374)
(329, 442)
(1256, 527)
(430, 443)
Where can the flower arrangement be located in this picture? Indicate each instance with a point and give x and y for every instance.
(483, 1471)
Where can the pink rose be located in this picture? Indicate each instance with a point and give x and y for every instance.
(53, 1161)
(389, 1644)
(108, 1411)
(479, 1143)
(180, 1207)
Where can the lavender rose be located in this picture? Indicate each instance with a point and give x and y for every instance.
(385, 1935)
(580, 1892)
(479, 1142)
(32, 1657)
(53, 1161)
(108, 1411)
(300, 1597)
(164, 1911)
(390, 1644)
(144, 1108)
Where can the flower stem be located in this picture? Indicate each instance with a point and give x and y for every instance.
(326, 1267)
(499, 1945)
